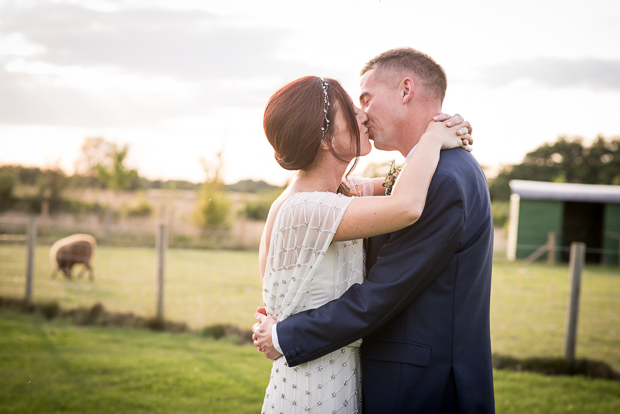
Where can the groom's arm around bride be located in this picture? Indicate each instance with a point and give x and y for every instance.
(424, 309)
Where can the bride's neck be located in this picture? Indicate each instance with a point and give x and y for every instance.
(321, 176)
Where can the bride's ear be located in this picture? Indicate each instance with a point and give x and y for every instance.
(324, 145)
(406, 90)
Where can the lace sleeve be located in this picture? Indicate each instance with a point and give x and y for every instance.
(302, 232)
(361, 186)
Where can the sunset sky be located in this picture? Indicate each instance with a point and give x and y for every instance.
(179, 80)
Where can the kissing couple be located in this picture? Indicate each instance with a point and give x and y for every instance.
(409, 273)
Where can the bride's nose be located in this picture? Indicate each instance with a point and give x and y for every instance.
(361, 115)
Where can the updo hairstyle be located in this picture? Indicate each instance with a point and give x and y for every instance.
(294, 117)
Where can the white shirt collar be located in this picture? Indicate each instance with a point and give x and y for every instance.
(411, 152)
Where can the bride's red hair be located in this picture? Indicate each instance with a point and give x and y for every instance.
(294, 117)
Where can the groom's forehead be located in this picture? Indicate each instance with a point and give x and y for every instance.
(368, 81)
(367, 78)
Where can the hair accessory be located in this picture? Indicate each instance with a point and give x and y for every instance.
(325, 85)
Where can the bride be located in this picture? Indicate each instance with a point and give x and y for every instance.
(311, 250)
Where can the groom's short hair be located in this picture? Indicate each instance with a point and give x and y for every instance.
(406, 59)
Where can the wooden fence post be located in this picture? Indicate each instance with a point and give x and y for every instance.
(162, 245)
(32, 244)
(551, 247)
(45, 215)
(577, 260)
(107, 224)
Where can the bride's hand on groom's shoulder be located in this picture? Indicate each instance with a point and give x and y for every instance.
(459, 126)
(262, 334)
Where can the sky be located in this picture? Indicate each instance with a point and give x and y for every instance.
(181, 80)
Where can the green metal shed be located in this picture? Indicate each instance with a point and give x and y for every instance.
(557, 214)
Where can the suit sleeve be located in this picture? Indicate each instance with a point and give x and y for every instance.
(406, 266)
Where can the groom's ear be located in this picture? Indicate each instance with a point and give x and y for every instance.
(406, 90)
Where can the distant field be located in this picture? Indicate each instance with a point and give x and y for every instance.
(205, 287)
(53, 367)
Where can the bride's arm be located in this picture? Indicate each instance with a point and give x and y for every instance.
(371, 216)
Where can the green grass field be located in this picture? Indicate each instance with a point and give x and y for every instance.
(54, 367)
(205, 287)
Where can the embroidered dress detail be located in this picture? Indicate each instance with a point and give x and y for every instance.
(304, 271)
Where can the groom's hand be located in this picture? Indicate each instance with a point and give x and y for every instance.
(262, 334)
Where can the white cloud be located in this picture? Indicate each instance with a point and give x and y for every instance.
(557, 73)
(15, 44)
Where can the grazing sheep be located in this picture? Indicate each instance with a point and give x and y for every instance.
(78, 248)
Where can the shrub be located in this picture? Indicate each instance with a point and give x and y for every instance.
(258, 209)
(140, 207)
(501, 213)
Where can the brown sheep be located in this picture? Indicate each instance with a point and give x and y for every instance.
(78, 248)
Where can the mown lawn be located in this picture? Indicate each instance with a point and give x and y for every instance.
(53, 367)
(206, 287)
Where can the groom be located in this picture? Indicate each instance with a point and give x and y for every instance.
(424, 309)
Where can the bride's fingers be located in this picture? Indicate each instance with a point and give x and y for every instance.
(456, 119)
(466, 139)
(441, 117)
(255, 327)
(465, 145)
(464, 128)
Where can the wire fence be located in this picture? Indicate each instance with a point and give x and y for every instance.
(202, 287)
(529, 302)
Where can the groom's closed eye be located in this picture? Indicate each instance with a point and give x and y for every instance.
(364, 98)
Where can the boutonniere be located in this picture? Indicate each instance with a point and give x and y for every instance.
(390, 178)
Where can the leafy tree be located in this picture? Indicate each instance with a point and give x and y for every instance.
(94, 151)
(565, 161)
(8, 181)
(50, 186)
(113, 171)
(212, 210)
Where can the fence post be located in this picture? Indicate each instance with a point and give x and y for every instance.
(45, 214)
(162, 245)
(32, 244)
(107, 224)
(551, 246)
(577, 259)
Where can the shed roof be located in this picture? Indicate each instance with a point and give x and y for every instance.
(540, 190)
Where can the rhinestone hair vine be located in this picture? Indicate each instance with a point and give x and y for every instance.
(325, 85)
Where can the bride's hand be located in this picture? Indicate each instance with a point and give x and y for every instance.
(453, 136)
(457, 120)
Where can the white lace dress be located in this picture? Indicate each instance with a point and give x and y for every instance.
(304, 271)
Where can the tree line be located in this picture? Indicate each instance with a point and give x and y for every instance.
(567, 160)
(102, 164)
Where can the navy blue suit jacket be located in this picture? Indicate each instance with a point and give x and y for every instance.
(424, 309)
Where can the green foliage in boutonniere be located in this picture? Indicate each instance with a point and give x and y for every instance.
(390, 178)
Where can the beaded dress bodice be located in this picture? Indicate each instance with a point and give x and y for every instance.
(304, 271)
